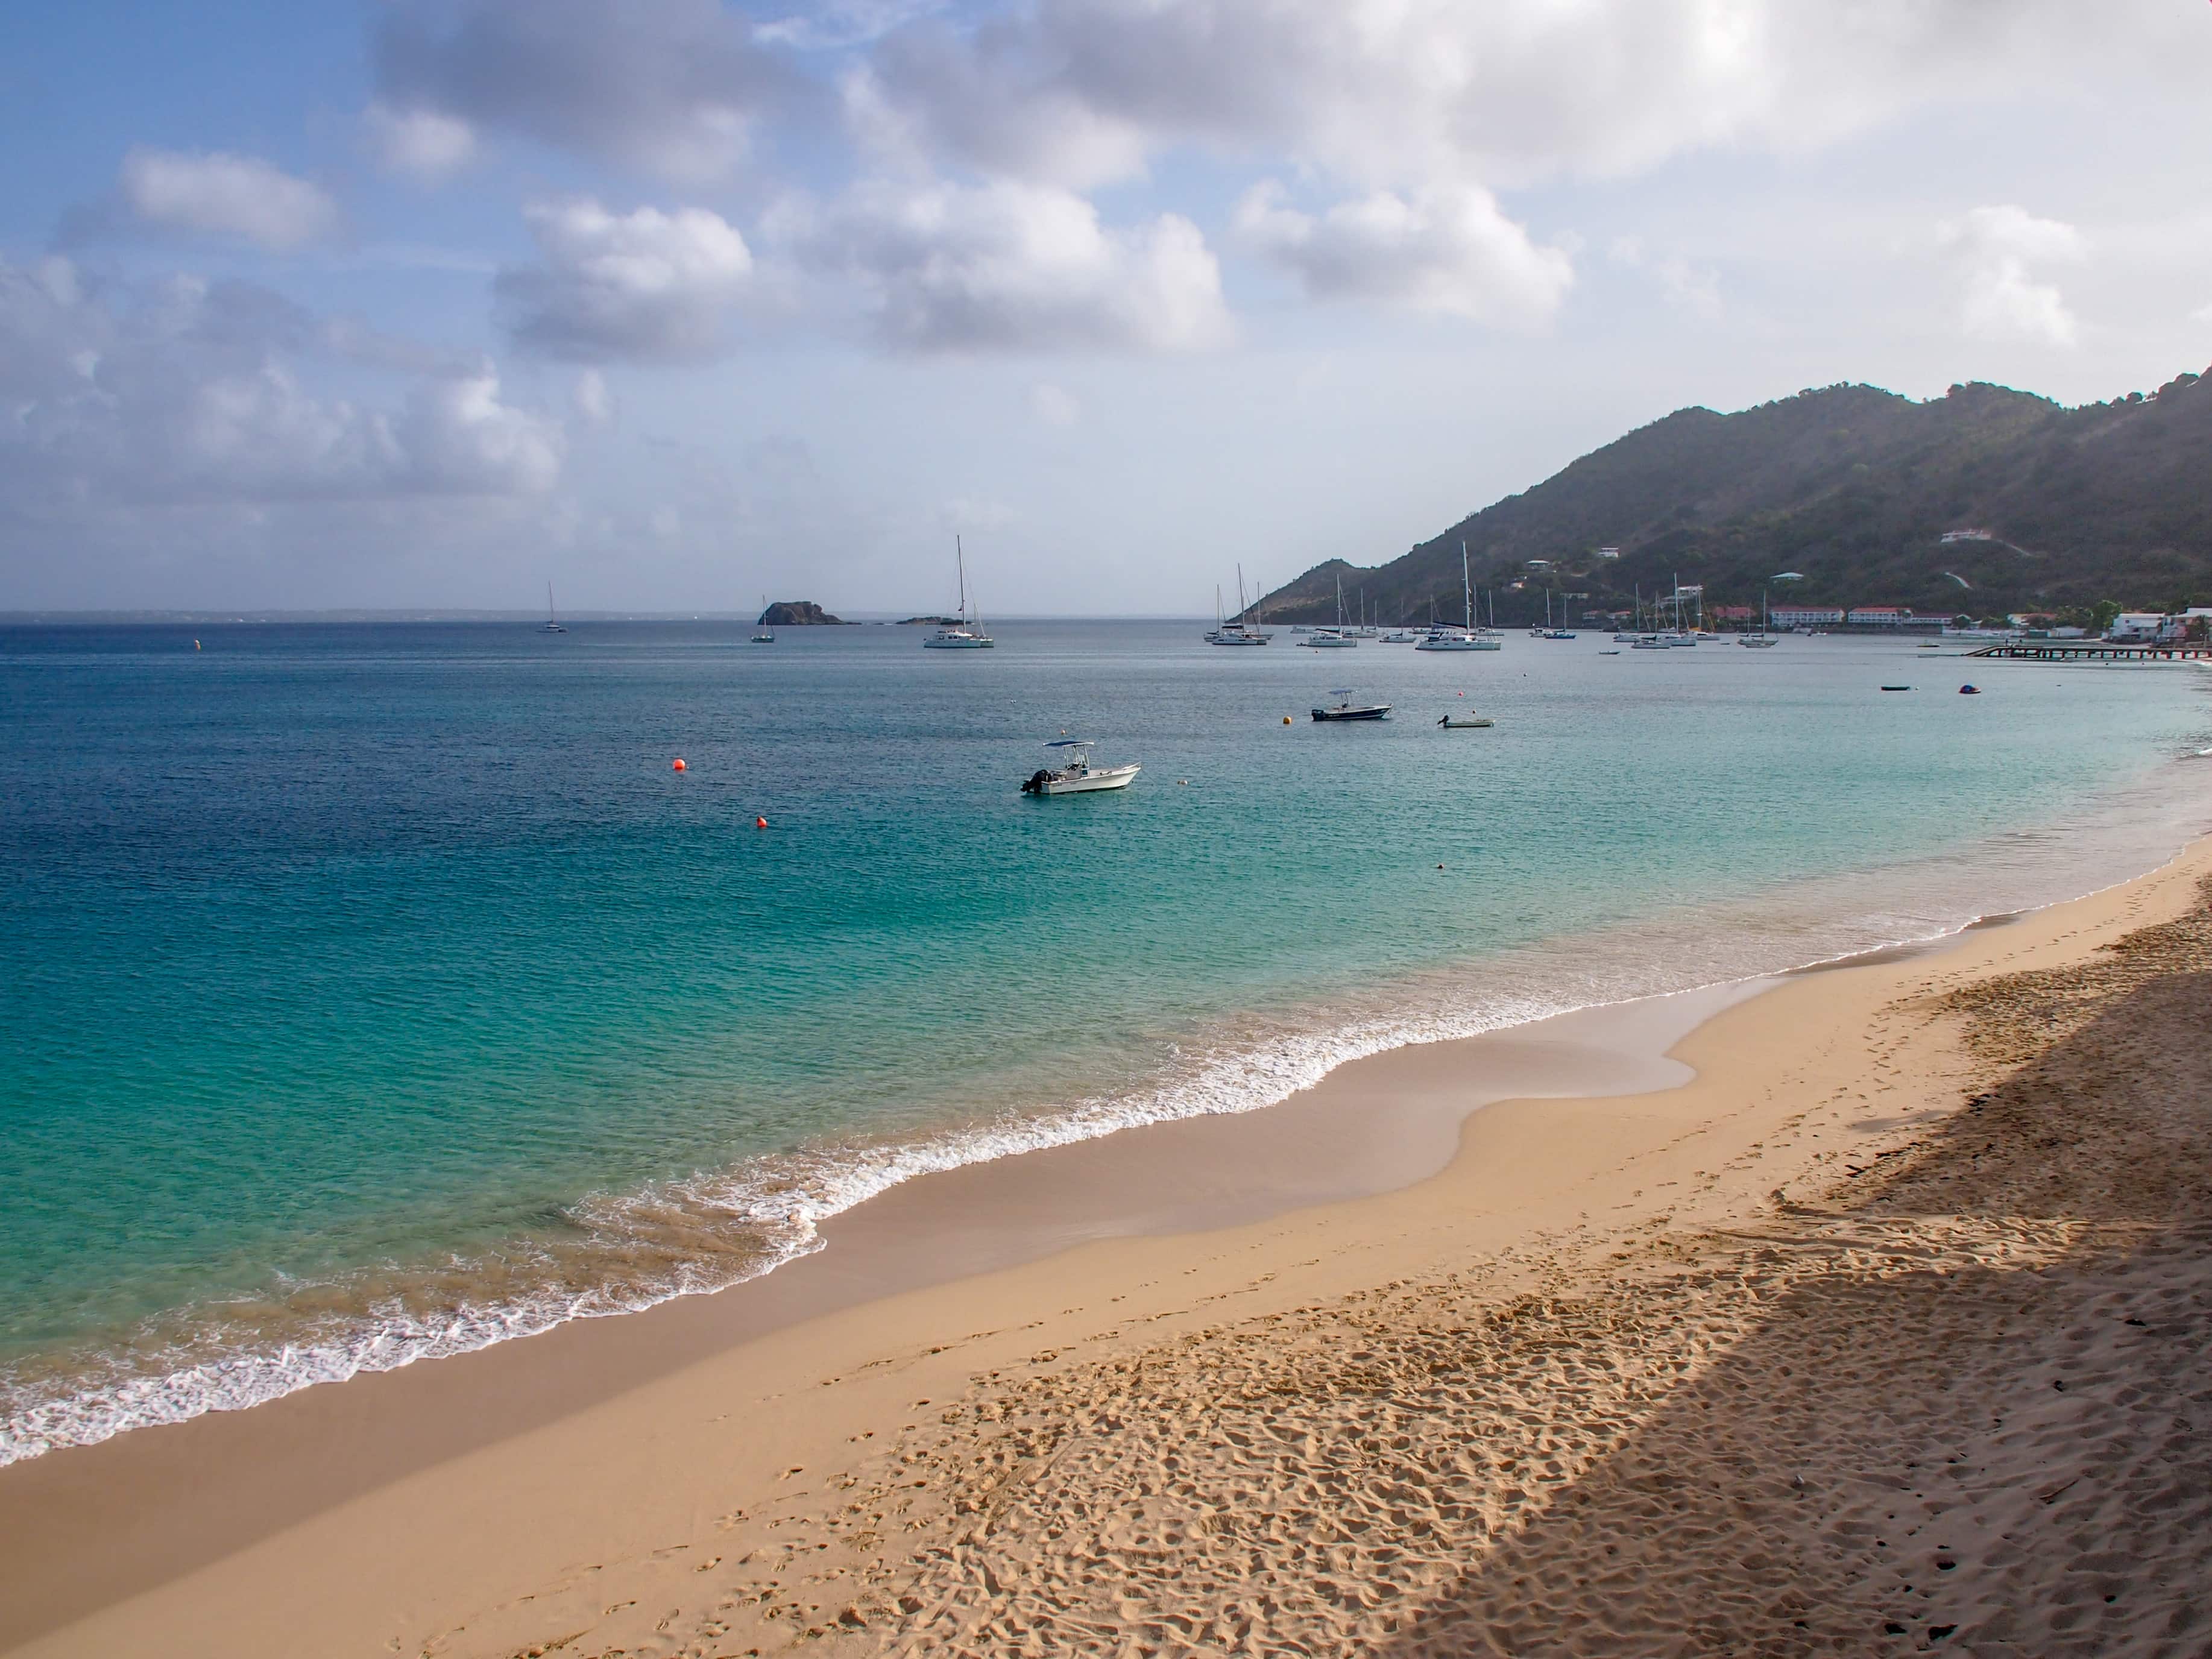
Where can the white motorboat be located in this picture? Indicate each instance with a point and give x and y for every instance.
(552, 621)
(1400, 636)
(1465, 637)
(1075, 775)
(1465, 722)
(1649, 643)
(1345, 710)
(968, 633)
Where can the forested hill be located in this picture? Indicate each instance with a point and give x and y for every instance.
(1854, 487)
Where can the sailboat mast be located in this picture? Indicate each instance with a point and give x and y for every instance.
(550, 616)
(1466, 592)
(960, 564)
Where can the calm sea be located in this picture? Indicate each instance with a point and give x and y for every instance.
(377, 992)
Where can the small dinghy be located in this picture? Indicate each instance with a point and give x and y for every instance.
(1345, 709)
(1970, 691)
(1465, 722)
(1075, 775)
(1897, 688)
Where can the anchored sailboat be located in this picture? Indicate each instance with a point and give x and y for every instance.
(1463, 638)
(966, 635)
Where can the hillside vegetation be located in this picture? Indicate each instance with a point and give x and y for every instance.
(1853, 487)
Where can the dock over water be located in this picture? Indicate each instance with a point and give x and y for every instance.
(2091, 651)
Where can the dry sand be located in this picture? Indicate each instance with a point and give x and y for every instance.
(1886, 1332)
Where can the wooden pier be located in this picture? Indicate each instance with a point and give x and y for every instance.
(2091, 651)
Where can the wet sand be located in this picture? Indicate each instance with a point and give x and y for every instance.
(1387, 1399)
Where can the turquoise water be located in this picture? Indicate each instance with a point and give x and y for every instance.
(375, 991)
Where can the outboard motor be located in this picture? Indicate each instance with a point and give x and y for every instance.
(1037, 783)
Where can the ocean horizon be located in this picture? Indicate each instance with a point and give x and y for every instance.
(380, 991)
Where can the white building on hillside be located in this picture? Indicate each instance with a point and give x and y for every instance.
(1805, 616)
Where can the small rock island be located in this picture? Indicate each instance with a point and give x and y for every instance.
(799, 613)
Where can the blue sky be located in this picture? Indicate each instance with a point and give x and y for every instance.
(672, 302)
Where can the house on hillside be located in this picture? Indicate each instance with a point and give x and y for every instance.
(1608, 552)
(1968, 535)
(1732, 613)
(1538, 566)
(2136, 627)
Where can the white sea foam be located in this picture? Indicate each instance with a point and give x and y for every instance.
(716, 1230)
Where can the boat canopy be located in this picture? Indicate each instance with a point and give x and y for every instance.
(1071, 743)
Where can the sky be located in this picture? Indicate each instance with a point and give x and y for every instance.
(674, 304)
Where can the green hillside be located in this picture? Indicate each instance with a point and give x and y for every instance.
(1853, 487)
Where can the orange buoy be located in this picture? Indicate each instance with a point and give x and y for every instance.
(1286, 719)
(760, 824)
(679, 763)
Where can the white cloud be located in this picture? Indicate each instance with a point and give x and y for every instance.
(645, 285)
(222, 195)
(1054, 405)
(1009, 266)
(188, 392)
(1446, 250)
(1393, 92)
(835, 25)
(675, 87)
(426, 143)
(1997, 249)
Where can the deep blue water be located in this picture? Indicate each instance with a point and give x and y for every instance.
(378, 989)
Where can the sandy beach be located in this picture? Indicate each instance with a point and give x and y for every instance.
(1862, 1311)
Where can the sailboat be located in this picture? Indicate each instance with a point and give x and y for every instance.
(1464, 638)
(764, 630)
(552, 621)
(1238, 630)
(963, 636)
(1762, 640)
(1331, 639)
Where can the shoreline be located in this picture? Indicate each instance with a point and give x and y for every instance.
(599, 1430)
(716, 1230)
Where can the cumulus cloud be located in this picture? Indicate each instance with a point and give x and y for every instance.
(426, 143)
(1391, 92)
(1999, 250)
(645, 285)
(675, 87)
(1008, 266)
(187, 392)
(1438, 250)
(218, 194)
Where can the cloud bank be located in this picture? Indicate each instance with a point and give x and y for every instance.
(645, 285)
(191, 392)
(1008, 266)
